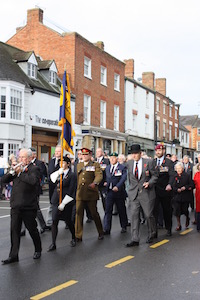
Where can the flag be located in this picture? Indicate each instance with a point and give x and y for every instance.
(65, 119)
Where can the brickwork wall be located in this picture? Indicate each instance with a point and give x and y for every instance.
(68, 51)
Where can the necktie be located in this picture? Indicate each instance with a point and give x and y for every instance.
(158, 163)
(136, 170)
(112, 170)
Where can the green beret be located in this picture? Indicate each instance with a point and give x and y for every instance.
(114, 154)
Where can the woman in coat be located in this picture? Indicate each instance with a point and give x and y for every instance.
(197, 196)
(69, 183)
(182, 187)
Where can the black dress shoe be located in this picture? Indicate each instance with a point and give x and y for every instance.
(106, 232)
(52, 247)
(100, 237)
(132, 244)
(169, 232)
(36, 255)
(73, 243)
(89, 220)
(149, 240)
(78, 240)
(23, 233)
(10, 260)
(47, 228)
(128, 224)
(123, 230)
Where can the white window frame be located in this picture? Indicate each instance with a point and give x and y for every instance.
(87, 67)
(103, 75)
(3, 102)
(170, 132)
(176, 113)
(103, 114)
(116, 82)
(158, 128)
(2, 149)
(170, 111)
(198, 131)
(116, 117)
(176, 133)
(31, 70)
(87, 110)
(13, 149)
(15, 104)
(52, 77)
(164, 108)
(157, 105)
(164, 130)
(198, 146)
(186, 137)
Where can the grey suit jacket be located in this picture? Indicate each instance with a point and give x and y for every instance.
(149, 174)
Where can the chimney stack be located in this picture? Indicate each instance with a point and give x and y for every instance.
(148, 79)
(34, 15)
(100, 45)
(161, 85)
(129, 68)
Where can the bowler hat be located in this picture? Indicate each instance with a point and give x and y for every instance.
(33, 149)
(135, 148)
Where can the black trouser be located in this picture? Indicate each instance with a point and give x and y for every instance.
(166, 204)
(120, 203)
(28, 217)
(68, 221)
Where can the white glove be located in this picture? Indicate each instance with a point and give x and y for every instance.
(54, 176)
(60, 171)
(65, 201)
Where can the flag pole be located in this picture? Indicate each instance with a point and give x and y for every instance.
(61, 163)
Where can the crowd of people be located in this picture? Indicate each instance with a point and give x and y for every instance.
(138, 188)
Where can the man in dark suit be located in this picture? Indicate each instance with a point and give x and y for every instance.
(104, 162)
(188, 168)
(166, 171)
(42, 169)
(116, 175)
(24, 204)
(89, 175)
(142, 178)
(54, 165)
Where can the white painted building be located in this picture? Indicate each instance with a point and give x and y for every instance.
(29, 103)
(139, 115)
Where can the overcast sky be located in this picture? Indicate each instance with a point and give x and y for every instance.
(162, 36)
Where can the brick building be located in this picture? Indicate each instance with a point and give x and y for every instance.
(96, 78)
(166, 114)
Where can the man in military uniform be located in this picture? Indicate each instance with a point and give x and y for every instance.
(164, 187)
(89, 175)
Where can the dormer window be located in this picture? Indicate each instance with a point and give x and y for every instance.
(31, 70)
(53, 77)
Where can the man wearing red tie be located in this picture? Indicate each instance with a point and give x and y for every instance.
(142, 177)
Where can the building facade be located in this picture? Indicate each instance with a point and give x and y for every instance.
(96, 78)
(139, 112)
(29, 103)
(166, 115)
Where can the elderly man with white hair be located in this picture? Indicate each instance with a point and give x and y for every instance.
(24, 204)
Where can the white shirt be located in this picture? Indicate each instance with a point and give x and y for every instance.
(139, 167)
(161, 160)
